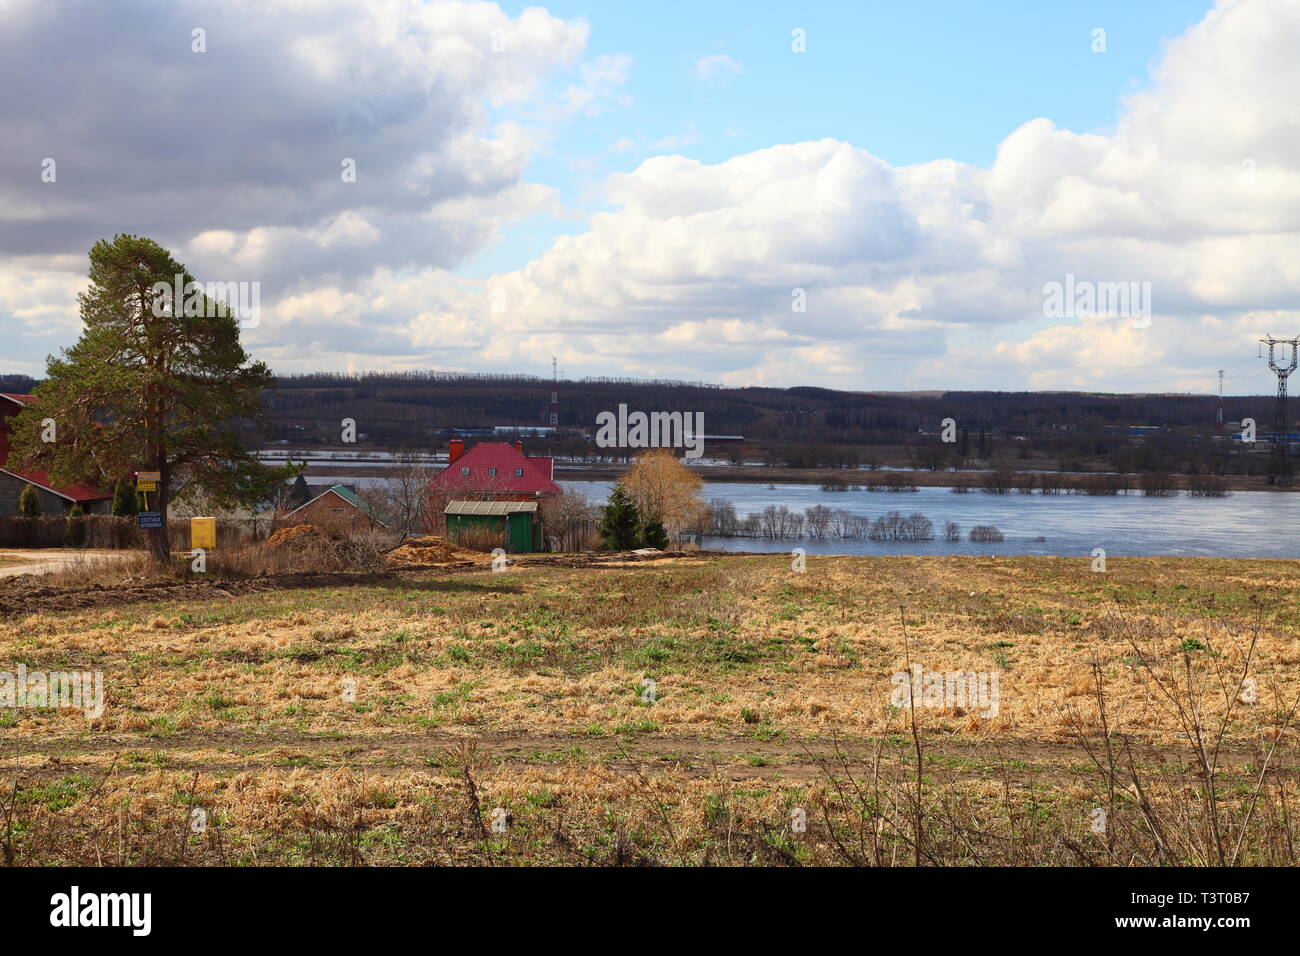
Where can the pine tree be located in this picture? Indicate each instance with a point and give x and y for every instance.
(29, 505)
(157, 382)
(656, 536)
(300, 494)
(619, 521)
(125, 503)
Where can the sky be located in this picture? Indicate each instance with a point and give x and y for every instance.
(1098, 196)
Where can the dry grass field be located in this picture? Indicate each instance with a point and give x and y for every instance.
(457, 715)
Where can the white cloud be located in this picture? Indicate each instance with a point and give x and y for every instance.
(717, 67)
(233, 158)
(928, 275)
(932, 274)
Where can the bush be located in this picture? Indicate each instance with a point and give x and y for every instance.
(952, 531)
(313, 550)
(901, 481)
(29, 504)
(1157, 484)
(985, 532)
(1207, 486)
(480, 537)
(75, 535)
(1099, 485)
(1051, 483)
(894, 527)
(999, 482)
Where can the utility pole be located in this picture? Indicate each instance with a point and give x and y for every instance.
(554, 417)
(1280, 465)
(1218, 415)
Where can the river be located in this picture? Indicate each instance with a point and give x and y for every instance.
(1246, 524)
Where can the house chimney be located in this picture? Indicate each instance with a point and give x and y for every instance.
(519, 447)
(455, 448)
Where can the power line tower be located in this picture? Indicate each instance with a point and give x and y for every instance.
(554, 418)
(1280, 469)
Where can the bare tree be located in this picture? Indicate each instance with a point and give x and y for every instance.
(722, 518)
(999, 482)
(1051, 482)
(818, 520)
(402, 499)
(1157, 484)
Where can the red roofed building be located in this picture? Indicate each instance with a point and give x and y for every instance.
(53, 499)
(494, 471)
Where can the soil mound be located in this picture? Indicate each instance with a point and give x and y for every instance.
(300, 536)
(432, 550)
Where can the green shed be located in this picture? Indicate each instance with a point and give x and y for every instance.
(515, 521)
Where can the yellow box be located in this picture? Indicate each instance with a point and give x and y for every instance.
(203, 533)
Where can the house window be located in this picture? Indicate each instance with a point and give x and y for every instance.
(464, 470)
(519, 472)
(492, 472)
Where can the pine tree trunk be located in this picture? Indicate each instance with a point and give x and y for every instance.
(159, 546)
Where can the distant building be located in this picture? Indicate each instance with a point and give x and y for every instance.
(337, 509)
(54, 499)
(539, 430)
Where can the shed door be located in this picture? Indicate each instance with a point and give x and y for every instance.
(519, 533)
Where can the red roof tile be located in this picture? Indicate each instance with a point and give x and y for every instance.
(492, 466)
(75, 492)
(40, 478)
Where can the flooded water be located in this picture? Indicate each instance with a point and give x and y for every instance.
(1247, 524)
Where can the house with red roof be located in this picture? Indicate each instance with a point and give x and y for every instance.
(54, 499)
(494, 471)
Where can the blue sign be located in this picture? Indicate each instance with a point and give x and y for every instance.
(150, 520)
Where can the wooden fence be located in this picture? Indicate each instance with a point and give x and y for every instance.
(109, 531)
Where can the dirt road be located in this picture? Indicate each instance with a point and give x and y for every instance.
(44, 560)
(730, 756)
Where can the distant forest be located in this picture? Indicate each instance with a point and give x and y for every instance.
(800, 427)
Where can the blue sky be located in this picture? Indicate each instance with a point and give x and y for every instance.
(908, 82)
